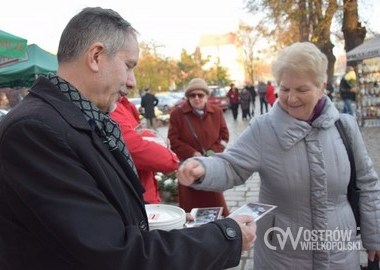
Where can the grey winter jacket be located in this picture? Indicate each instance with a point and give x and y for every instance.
(304, 170)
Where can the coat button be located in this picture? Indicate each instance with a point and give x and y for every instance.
(231, 232)
(142, 225)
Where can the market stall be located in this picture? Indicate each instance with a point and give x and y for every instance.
(12, 48)
(23, 73)
(368, 70)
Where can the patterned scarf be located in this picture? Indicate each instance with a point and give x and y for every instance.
(105, 127)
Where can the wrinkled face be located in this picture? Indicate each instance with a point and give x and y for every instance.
(298, 95)
(198, 99)
(116, 76)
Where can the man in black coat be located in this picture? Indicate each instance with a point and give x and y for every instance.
(148, 102)
(251, 89)
(70, 197)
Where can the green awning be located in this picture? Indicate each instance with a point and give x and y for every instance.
(12, 46)
(24, 72)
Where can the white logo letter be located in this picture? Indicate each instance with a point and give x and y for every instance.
(282, 237)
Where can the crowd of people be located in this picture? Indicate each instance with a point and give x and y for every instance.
(246, 99)
(87, 171)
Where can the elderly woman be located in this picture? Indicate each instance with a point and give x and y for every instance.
(197, 128)
(304, 170)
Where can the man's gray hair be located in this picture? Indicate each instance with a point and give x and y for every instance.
(94, 25)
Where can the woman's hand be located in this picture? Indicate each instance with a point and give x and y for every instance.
(190, 171)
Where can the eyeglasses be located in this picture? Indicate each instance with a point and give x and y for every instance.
(199, 95)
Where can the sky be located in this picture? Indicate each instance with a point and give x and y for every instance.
(176, 24)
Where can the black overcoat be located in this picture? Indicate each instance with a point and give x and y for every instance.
(148, 102)
(65, 203)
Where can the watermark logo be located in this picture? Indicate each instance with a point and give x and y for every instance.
(306, 239)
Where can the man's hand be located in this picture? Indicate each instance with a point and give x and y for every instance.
(190, 171)
(373, 255)
(248, 230)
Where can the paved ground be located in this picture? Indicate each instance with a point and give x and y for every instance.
(249, 191)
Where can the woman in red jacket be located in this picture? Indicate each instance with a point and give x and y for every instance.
(270, 94)
(197, 128)
(148, 156)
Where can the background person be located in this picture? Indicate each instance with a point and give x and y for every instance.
(270, 94)
(262, 91)
(251, 89)
(70, 195)
(245, 101)
(346, 89)
(233, 96)
(329, 90)
(148, 156)
(148, 102)
(197, 128)
(303, 167)
(131, 109)
(4, 101)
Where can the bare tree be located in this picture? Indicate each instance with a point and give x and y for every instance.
(247, 39)
(321, 24)
(300, 20)
(354, 33)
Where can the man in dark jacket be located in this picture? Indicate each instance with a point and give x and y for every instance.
(70, 197)
(262, 91)
(251, 89)
(148, 102)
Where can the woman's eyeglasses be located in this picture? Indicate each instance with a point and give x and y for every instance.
(199, 95)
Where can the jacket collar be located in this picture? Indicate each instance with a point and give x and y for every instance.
(49, 93)
(44, 89)
(290, 131)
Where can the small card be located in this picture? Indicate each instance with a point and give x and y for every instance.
(204, 215)
(257, 210)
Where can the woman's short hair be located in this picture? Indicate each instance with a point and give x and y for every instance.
(94, 25)
(302, 58)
